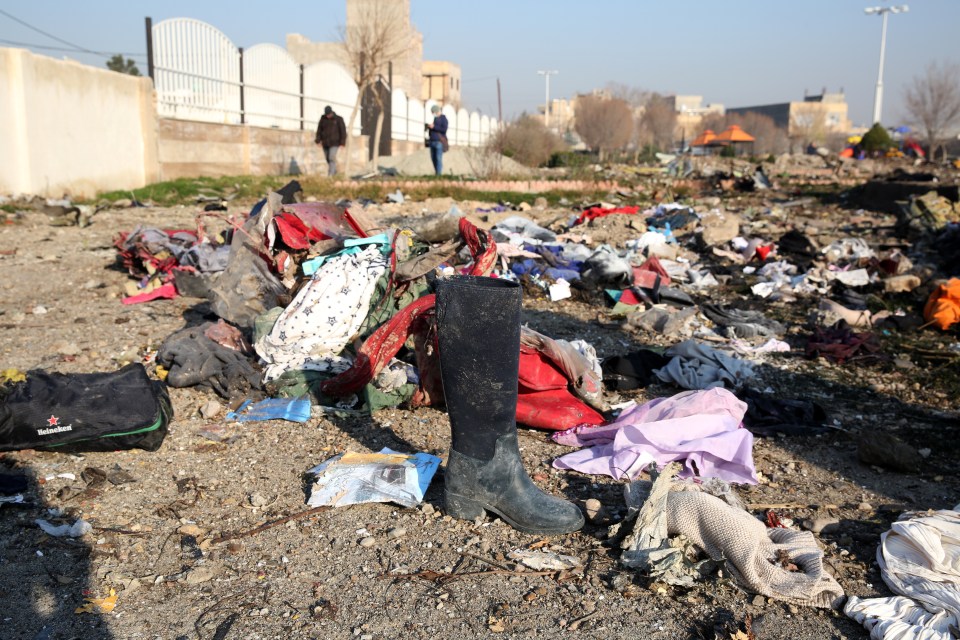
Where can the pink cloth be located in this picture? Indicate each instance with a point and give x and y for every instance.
(163, 292)
(703, 429)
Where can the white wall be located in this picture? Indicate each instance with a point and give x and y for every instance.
(68, 128)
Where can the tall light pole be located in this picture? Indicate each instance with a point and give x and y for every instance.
(882, 11)
(546, 106)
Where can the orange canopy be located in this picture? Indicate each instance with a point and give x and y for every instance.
(704, 139)
(734, 134)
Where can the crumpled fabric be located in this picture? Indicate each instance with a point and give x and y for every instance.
(578, 361)
(943, 305)
(742, 323)
(600, 212)
(840, 343)
(518, 229)
(606, 268)
(193, 359)
(700, 429)
(750, 551)
(848, 250)
(325, 316)
(919, 559)
(696, 366)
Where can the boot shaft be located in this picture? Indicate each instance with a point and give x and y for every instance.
(478, 326)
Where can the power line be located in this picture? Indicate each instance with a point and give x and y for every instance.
(32, 45)
(76, 47)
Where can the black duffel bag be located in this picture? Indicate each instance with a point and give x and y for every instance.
(124, 409)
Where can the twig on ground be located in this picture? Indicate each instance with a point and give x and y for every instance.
(270, 525)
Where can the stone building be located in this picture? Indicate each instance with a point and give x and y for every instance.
(815, 118)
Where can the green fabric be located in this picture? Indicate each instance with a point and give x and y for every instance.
(375, 399)
(263, 323)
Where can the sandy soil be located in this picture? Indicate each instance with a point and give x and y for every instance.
(175, 543)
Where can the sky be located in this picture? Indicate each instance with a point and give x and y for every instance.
(736, 53)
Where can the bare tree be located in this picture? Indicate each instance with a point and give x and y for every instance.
(769, 138)
(658, 123)
(379, 35)
(527, 141)
(933, 103)
(604, 124)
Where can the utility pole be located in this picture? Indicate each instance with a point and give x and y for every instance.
(499, 103)
(882, 11)
(546, 106)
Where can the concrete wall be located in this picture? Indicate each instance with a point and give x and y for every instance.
(188, 148)
(68, 128)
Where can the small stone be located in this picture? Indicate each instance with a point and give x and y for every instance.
(427, 509)
(540, 203)
(472, 541)
(199, 575)
(758, 601)
(822, 525)
(888, 451)
(191, 530)
(864, 506)
(396, 532)
(367, 542)
(792, 609)
(258, 500)
(210, 409)
(593, 507)
(39, 310)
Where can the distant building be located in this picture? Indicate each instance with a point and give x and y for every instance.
(813, 118)
(441, 82)
(690, 113)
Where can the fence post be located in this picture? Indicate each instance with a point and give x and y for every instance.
(149, 22)
(302, 120)
(243, 113)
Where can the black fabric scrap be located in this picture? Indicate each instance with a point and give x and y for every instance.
(767, 415)
(632, 370)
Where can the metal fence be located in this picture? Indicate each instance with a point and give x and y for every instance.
(199, 74)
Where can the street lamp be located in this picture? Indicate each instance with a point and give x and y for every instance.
(882, 11)
(546, 106)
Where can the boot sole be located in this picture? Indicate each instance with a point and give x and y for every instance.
(468, 509)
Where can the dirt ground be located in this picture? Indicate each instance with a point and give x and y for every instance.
(176, 538)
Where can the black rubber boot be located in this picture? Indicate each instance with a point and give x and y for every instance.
(478, 321)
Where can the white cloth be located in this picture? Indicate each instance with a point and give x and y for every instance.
(919, 558)
(324, 317)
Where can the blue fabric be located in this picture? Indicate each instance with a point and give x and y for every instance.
(436, 155)
(440, 125)
(292, 409)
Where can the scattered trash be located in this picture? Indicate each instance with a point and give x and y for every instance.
(544, 560)
(387, 476)
(75, 530)
(99, 605)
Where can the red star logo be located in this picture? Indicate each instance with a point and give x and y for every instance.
(53, 421)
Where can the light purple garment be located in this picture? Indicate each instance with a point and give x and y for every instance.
(703, 429)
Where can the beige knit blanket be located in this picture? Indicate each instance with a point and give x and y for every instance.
(778, 563)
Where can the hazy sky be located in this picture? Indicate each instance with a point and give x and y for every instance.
(737, 53)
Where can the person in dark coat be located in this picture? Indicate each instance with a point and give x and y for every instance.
(331, 135)
(438, 136)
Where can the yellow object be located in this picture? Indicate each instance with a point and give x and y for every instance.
(12, 375)
(99, 605)
(162, 373)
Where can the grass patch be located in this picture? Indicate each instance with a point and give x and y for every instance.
(185, 191)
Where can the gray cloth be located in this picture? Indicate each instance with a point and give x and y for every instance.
(762, 560)
(697, 366)
(330, 155)
(193, 359)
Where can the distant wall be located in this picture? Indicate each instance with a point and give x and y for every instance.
(188, 148)
(68, 128)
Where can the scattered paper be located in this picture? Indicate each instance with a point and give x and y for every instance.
(387, 476)
(75, 530)
(544, 560)
(99, 605)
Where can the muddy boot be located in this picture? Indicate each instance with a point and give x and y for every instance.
(478, 322)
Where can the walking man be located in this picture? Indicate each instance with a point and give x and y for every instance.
(331, 135)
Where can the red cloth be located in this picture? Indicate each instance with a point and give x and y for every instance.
(544, 400)
(646, 274)
(599, 212)
(165, 292)
(295, 233)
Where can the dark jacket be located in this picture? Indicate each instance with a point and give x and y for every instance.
(331, 132)
(440, 125)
